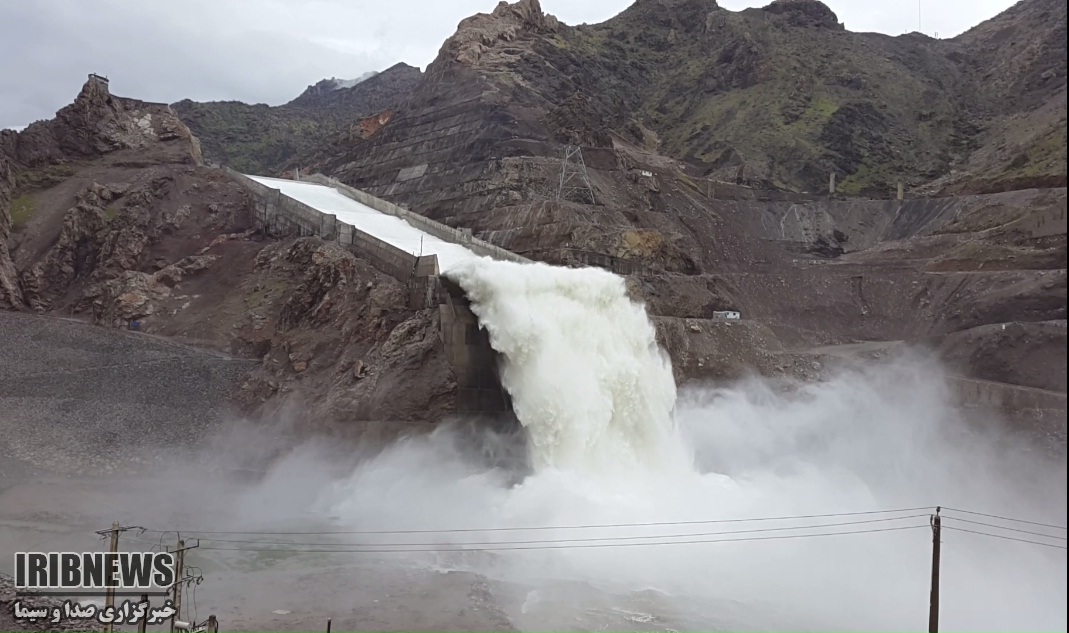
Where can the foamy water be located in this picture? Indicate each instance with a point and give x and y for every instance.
(611, 444)
(582, 364)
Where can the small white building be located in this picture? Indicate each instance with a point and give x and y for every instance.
(730, 315)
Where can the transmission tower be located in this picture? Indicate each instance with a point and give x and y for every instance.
(573, 175)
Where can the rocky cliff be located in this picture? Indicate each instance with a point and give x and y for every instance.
(782, 96)
(10, 291)
(686, 113)
(268, 140)
(116, 222)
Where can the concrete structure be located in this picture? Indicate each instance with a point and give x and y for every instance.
(1006, 397)
(467, 346)
(444, 232)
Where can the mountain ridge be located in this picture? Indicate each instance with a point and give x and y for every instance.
(263, 139)
(783, 93)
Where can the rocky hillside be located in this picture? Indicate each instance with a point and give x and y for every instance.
(263, 139)
(109, 216)
(479, 144)
(782, 96)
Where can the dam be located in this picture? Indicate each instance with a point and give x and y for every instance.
(422, 253)
(407, 246)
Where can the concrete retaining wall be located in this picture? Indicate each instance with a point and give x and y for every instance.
(467, 346)
(425, 224)
(1004, 396)
(281, 214)
(474, 361)
(1046, 223)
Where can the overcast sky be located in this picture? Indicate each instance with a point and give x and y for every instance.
(268, 51)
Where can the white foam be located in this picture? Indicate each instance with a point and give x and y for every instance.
(582, 364)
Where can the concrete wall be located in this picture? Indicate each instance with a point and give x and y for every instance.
(467, 346)
(425, 224)
(1004, 396)
(282, 215)
(1045, 223)
(474, 361)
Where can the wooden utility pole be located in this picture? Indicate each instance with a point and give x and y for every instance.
(109, 600)
(179, 578)
(933, 604)
(142, 624)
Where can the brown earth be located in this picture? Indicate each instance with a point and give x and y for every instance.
(134, 230)
(262, 139)
(139, 231)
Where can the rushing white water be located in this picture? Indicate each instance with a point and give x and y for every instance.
(588, 381)
(614, 451)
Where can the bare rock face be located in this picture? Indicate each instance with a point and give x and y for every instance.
(110, 242)
(135, 295)
(99, 123)
(813, 13)
(346, 343)
(10, 290)
(481, 32)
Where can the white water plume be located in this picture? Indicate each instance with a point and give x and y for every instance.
(596, 398)
(582, 365)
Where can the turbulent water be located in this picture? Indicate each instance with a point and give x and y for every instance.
(622, 505)
(612, 446)
(582, 365)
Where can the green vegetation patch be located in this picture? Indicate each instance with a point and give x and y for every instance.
(42, 177)
(22, 209)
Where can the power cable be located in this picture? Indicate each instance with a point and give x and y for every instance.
(1002, 527)
(559, 546)
(1001, 518)
(575, 540)
(1008, 538)
(556, 527)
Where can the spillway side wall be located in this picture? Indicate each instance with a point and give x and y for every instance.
(423, 223)
(467, 346)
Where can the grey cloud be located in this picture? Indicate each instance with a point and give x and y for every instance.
(268, 51)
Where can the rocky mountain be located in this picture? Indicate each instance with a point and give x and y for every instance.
(265, 139)
(107, 214)
(781, 96)
(322, 92)
(693, 120)
(701, 131)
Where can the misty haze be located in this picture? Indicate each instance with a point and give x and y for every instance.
(694, 319)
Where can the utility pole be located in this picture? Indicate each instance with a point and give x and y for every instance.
(142, 624)
(179, 578)
(933, 606)
(109, 601)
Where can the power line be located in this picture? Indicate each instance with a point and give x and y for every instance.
(1008, 538)
(1001, 527)
(557, 527)
(575, 540)
(1001, 518)
(560, 546)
